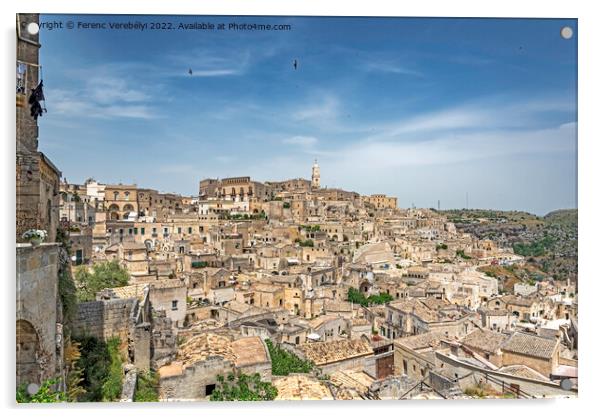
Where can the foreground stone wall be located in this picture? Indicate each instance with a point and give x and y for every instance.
(37, 306)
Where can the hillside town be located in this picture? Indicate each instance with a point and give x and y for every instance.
(293, 288)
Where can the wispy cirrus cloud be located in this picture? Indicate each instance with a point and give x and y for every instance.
(71, 103)
(207, 62)
(323, 108)
(390, 67)
(302, 141)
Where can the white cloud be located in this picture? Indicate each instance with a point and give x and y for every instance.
(71, 103)
(390, 67)
(454, 148)
(327, 107)
(303, 141)
(108, 90)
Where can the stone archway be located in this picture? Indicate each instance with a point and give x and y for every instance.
(29, 368)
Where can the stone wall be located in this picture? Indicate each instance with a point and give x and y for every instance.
(543, 366)
(104, 319)
(192, 383)
(37, 312)
(164, 340)
(27, 159)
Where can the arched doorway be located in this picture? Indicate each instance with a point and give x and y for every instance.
(28, 351)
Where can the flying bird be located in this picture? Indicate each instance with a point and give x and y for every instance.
(190, 71)
(295, 64)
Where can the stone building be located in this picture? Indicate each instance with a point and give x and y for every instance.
(201, 359)
(121, 201)
(381, 201)
(235, 188)
(37, 179)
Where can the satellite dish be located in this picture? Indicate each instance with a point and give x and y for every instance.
(74, 258)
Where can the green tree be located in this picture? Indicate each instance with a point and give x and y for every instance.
(243, 387)
(357, 297)
(103, 275)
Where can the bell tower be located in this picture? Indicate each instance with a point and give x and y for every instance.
(315, 175)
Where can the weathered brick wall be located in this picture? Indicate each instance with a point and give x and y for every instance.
(104, 319)
(37, 293)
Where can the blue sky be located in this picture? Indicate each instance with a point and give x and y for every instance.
(423, 109)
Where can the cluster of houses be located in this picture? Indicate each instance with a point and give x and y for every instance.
(385, 302)
(382, 302)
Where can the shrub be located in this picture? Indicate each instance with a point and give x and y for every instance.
(46, 394)
(285, 362)
(101, 363)
(103, 275)
(147, 387)
(243, 387)
(462, 255)
(111, 388)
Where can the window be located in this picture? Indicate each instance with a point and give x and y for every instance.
(190, 230)
(179, 230)
(209, 389)
(174, 305)
(135, 230)
(142, 230)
